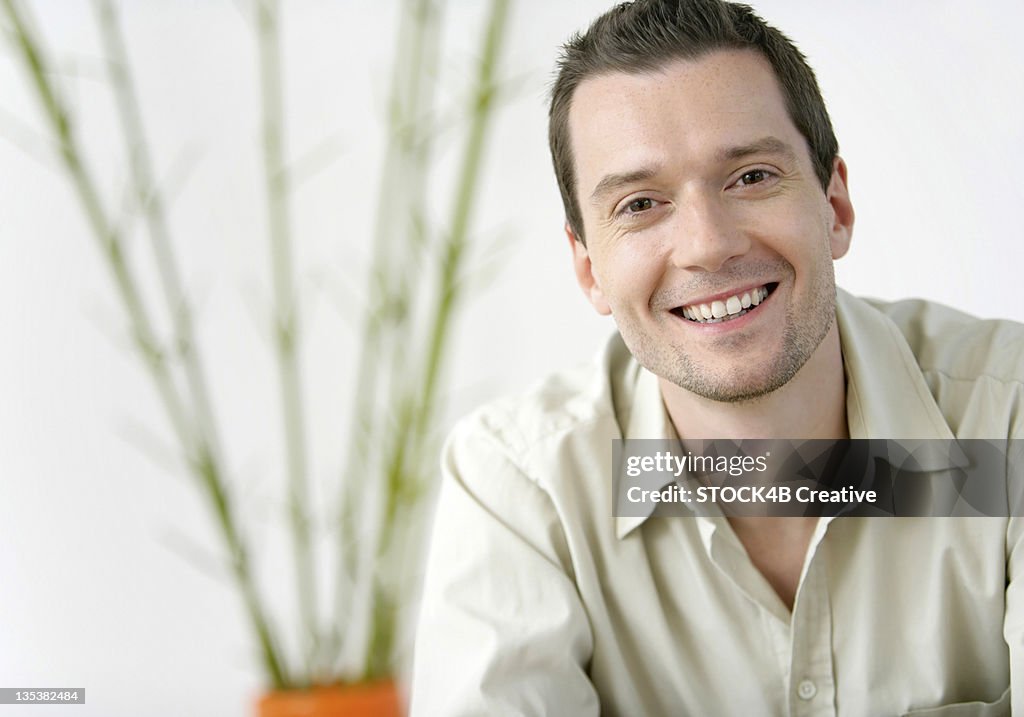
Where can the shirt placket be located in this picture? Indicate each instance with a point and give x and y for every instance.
(812, 688)
(728, 555)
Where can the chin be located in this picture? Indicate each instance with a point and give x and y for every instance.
(743, 381)
(727, 392)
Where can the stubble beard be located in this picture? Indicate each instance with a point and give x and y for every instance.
(801, 337)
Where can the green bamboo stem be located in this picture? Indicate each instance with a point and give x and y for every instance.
(186, 346)
(201, 460)
(409, 277)
(150, 201)
(395, 277)
(483, 105)
(416, 131)
(362, 420)
(418, 406)
(454, 248)
(286, 323)
(383, 309)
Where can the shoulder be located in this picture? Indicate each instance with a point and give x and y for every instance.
(956, 345)
(533, 429)
(973, 369)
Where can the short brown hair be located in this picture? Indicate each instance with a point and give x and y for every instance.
(645, 35)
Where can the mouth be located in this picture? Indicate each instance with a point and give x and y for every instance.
(726, 308)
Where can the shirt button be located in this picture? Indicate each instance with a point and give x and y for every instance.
(806, 690)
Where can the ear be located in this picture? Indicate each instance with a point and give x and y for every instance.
(585, 273)
(838, 196)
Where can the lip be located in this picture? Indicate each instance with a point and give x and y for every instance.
(722, 296)
(733, 324)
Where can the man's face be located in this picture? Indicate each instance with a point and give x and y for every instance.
(699, 197)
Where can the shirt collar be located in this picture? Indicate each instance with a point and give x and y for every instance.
(886, 393)
(647, 418)
(887, 396)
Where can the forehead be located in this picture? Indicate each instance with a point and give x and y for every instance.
(688, 112)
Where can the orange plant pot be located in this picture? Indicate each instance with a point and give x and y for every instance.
(369, 699)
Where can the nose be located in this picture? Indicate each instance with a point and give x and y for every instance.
(707, 236)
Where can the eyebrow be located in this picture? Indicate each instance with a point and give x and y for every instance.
(610, 182)
(766, 145)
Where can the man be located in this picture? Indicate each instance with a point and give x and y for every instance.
(705, 202)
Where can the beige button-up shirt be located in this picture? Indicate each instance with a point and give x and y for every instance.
(538, 601)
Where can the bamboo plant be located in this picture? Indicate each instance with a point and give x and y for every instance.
(398, 387)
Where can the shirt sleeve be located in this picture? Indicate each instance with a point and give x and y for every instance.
(502, 629)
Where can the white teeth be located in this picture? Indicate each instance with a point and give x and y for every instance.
(724, 310)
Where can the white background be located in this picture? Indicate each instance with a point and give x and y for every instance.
(926, 99)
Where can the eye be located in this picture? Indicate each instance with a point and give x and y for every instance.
(754, 176)
(640, 204)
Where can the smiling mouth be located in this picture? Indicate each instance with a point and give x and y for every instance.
(726, 309)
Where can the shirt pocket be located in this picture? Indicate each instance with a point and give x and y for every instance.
(999, 708)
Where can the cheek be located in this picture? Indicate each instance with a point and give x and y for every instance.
(629, 274)
(798, 233)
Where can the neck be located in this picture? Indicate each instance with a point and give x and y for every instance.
(811, 405)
